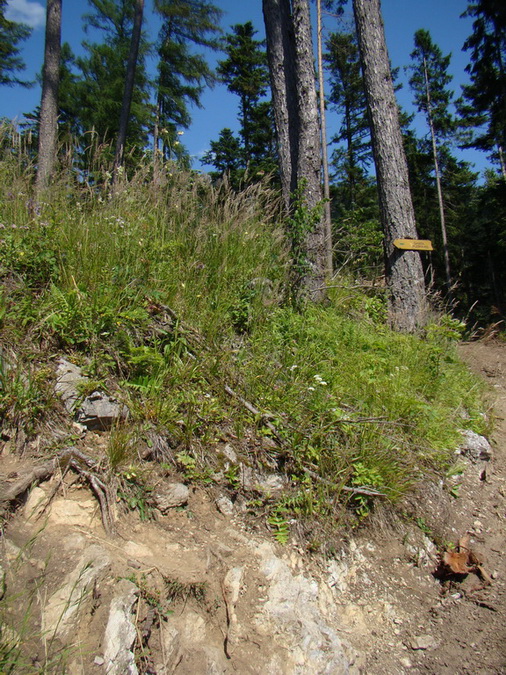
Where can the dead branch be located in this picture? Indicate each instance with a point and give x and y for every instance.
(370, 492)
(251, 408)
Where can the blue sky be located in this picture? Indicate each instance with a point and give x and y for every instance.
(402, 18)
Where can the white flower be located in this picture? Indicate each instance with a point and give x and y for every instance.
(319, 380)
(311, 389)
(292, 368)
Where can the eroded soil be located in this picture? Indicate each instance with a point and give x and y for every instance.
(379, 600)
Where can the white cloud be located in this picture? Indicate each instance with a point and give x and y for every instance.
(25, 11)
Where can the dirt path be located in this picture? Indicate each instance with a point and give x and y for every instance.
(406, 620)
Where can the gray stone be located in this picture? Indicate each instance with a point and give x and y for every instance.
(474, 446)
(99, 412)
(170, 496)
(120, 632)
(68, 379)
(267, 484)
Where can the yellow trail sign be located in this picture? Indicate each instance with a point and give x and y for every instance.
(413, 244)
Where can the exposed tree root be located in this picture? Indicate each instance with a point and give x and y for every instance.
(82, 464)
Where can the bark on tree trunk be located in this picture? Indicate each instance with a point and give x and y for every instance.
(281, 57)
(291, 66)
(48, 126)
(325, 161)
(404, 273)
(129, 88)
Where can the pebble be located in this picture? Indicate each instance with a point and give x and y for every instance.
(98, 661)
(423, 642)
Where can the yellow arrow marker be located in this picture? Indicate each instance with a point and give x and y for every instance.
(413, 244)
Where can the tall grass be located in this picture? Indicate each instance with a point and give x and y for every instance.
(171, 292)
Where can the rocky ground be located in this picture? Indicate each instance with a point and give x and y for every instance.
(199, 591)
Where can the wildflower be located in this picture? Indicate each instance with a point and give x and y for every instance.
(319, 380)
(311, 389)
(293, 367)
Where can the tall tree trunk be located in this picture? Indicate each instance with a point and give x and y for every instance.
(404, 273)
(48, 128)
(325, 159)
(129, 87)
(437, 174)
(291, 66)
(501, 161)
(281, 57)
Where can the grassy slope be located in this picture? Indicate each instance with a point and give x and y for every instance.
(349, 402)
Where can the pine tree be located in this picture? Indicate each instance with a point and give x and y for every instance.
(11, 34)
(429, 82)
(226, 156)
(245, 73)
(293, 86)
(48, 126)
(101, 84)
(347, 94)
(404, 271)
(182, 73)
(129, 86)
(484, 99)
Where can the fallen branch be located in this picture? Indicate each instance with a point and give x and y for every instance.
(359, 490)
(251, 408)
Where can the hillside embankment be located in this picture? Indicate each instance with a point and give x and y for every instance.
(203, 587)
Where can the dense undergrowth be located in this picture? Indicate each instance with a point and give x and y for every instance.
(176, 300)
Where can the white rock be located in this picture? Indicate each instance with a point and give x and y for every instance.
(476, 447)
(68, 377)
(423, 642)
(84, 513)
(62, 608)
(35, 503)
(120, 632)
(292, 616)
(225, 506)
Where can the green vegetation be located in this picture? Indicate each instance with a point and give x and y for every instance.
(176, 299)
